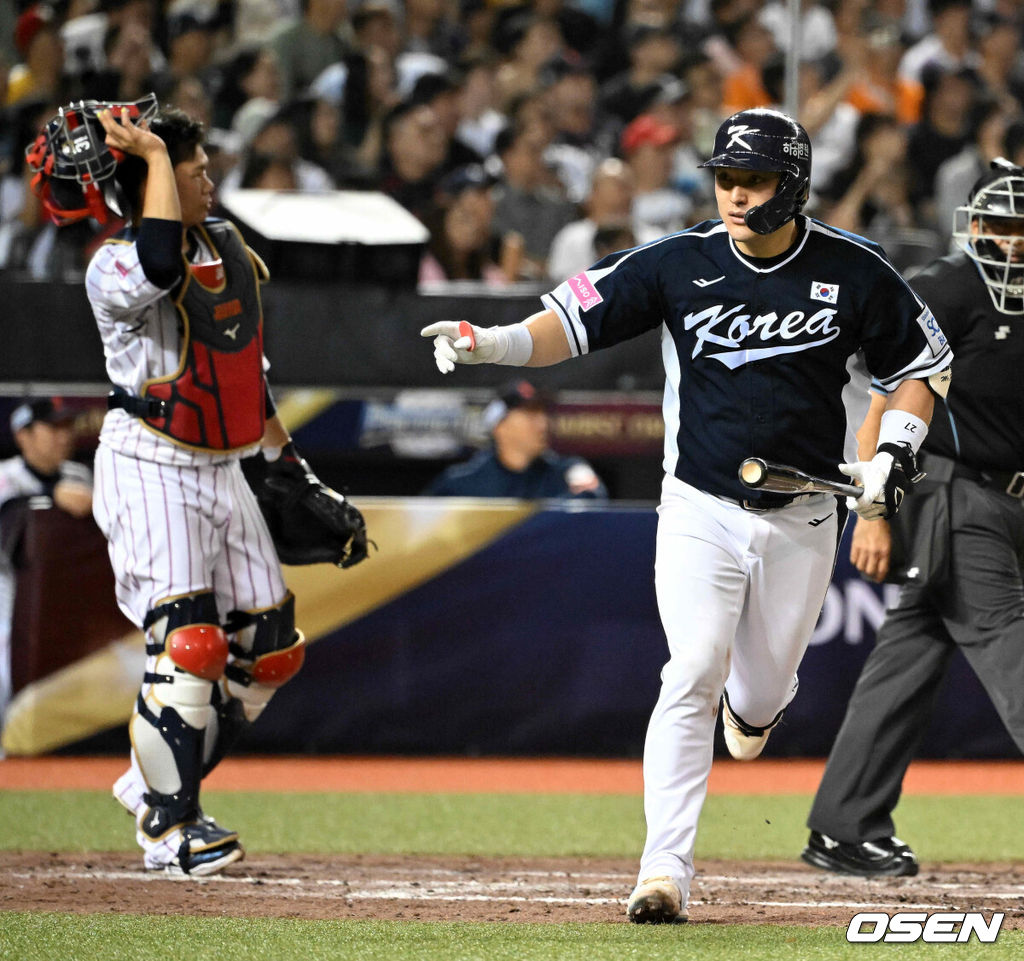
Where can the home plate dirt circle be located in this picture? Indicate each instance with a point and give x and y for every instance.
(490, 889)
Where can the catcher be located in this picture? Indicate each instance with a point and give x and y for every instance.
(176, 296)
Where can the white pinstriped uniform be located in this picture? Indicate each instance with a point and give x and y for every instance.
(178, 521)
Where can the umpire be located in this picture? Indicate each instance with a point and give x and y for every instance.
(962, 542)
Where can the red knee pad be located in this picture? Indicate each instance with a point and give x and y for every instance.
(200, 649)
(278, 667)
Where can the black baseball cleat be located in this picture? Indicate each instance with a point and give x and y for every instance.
(883, 857)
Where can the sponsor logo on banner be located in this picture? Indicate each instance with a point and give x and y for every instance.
(932, 928)
(585, 291)
(826, 293)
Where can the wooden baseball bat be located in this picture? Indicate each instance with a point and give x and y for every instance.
(760, 474)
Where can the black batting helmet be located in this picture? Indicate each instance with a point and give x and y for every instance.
(73, 166)
(764, 139)
(992, 216)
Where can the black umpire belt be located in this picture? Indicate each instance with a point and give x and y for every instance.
(1007, 482)
(120, 399)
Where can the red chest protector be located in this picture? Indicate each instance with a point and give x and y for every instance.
(215, 401)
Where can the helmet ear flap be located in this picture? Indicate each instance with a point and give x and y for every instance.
(787, 201)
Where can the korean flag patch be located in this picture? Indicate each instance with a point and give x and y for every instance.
(826, 293)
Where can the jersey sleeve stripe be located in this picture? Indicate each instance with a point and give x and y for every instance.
(924, 365)
(574, 331)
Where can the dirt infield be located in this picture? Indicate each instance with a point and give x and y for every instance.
(501, 889)
(493, 889)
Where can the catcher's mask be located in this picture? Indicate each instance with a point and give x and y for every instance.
(764, 139)
(989, 228)
(74, 167)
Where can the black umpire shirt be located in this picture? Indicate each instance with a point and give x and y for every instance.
(982, 425)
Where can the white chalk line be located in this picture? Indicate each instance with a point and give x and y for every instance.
(468, 890)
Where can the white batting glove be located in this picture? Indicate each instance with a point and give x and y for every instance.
(872, 475)
(459, 342)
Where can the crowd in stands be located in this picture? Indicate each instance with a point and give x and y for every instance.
(531, 136)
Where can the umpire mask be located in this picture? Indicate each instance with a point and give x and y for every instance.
(763, 139)
(989, 228)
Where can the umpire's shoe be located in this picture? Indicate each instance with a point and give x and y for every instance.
(884, 857)
(197, 848)
(744, 741)
(656, 901)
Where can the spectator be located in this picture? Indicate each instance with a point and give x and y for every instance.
(278, 139)
(871, 189)
(878, 86)
(527, 43)
(658, 208)
(703, 80)
(1001, 68)
(40, 73)
(574, 247)
(754, 46)
(319, 137)
(947, 46)
(42, 430)
(944, 130)
(429, 29)
(462, 243)
(443, 94)
(519, 463)
(530, 201)
(479, 120)
(250, 80)
(127, 74)
(415, 148)
(653, 53)
(817, 27)
(264, 172)
(305, 47)
(956, 176)
(191, 42)
(580, 136)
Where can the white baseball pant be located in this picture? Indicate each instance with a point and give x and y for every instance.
(739, 594)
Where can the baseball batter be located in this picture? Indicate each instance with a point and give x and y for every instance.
(177, 301)
(772, 324)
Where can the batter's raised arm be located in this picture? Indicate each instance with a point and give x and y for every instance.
(538, 341)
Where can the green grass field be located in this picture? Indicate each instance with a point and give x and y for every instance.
(755, 827)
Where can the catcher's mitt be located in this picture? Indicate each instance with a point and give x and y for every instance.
(309, 522)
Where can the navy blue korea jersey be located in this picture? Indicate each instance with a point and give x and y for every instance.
(768, 358)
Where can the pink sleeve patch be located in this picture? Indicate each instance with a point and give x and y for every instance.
(584, 290)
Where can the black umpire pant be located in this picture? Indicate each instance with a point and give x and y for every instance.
(980, 608)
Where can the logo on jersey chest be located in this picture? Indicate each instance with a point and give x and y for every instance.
(746, 338)
(826, 293)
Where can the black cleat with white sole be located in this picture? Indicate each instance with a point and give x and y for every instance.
(883, 857)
